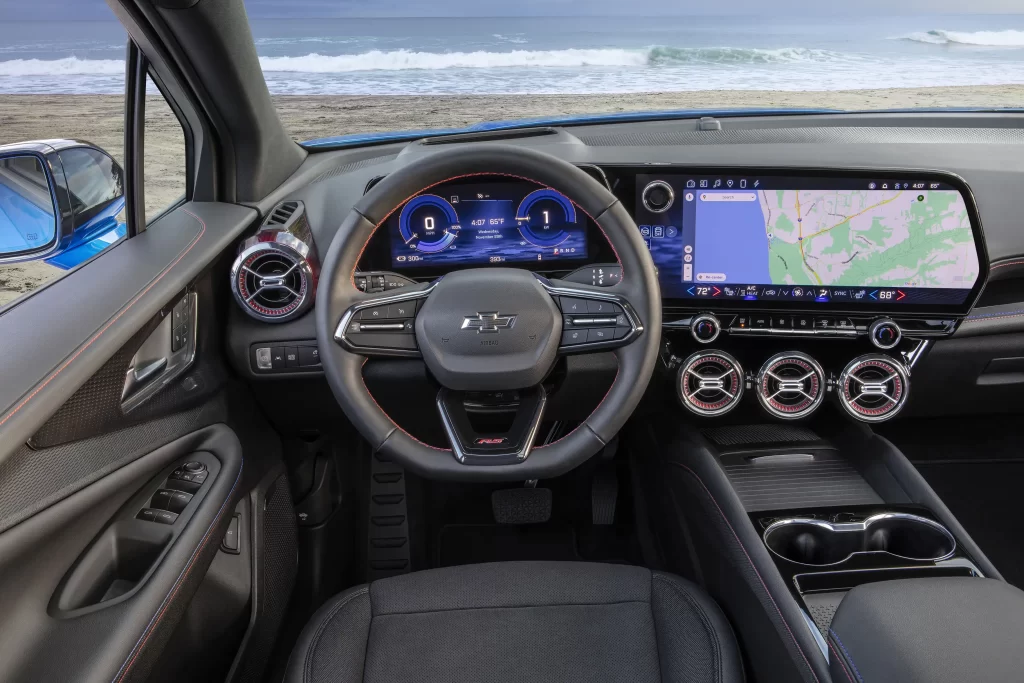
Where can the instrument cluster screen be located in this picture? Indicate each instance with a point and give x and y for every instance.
(809, 241)
(486, 223)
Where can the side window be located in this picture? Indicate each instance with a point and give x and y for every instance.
(163, 163)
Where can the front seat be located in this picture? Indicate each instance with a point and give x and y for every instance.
(516, 622)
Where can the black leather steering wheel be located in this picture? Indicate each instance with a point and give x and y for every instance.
(489, 329)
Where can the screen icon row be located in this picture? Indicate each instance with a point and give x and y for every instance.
(727, 183)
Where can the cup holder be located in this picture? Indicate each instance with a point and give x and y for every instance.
(818, 543)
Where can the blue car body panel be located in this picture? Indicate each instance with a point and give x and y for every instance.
(92, 238)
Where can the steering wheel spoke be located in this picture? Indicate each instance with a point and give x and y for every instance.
(382, 325)
(593, 318)
(492, 427)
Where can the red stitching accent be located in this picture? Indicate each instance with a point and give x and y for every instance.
(752, 566)
(124, 310)
(841, 662)
(180, 582)
(1008, 263)
(474, 175)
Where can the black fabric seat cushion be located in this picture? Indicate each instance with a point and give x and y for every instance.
(519, 621)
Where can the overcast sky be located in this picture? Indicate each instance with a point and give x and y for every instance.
(97, 9)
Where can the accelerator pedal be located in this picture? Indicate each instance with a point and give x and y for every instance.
(388, 533)
(521, 506)
(604, 493)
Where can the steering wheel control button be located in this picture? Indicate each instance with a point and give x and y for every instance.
(873, 388)
(658, 196)
(600, 334)
(406, 309)
(573, 337)
(710, 383)
(374, 313)
(790, 385)
(605, 308)
(705, 328)
(884, 333)
(574, 306)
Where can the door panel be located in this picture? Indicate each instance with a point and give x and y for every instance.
(89, 591)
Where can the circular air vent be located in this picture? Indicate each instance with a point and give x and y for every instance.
(710, 383)
(272, 282)
(873, 388)
(790, 385)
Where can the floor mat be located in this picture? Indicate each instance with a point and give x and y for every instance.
(474, 543)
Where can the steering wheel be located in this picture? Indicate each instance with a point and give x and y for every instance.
(491, 332)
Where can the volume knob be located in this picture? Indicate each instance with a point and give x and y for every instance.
(884, 333)
(658, 196)
(705, 328)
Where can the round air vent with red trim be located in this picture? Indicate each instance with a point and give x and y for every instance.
(274, 277)
(710, 383)
(790, 385)
(873, 388)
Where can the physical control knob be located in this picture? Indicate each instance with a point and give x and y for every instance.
(658, 196)
(884, 333)
(705, 328)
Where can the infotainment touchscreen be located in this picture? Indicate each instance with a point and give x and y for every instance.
(800, 240)
(486, 222)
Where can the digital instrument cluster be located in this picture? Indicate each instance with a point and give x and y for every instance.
(826, 241)
(475, 223)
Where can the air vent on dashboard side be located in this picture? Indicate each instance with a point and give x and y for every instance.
(710, 383)
(274, 277)
(790, 385)
(873, 388)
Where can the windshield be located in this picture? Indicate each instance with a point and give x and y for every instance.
(342, 67)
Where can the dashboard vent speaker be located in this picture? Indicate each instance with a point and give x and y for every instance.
(710, 383)
(275, 274)
(790, 385)
(873, 388)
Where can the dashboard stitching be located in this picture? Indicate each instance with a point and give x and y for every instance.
(752, 566)
(474, 175)
(995, 316)
(1007, 263)
(110, 323)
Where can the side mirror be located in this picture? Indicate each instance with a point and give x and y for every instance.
(60, 201)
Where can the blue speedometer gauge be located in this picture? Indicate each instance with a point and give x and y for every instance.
(545, 218)
(429, 224)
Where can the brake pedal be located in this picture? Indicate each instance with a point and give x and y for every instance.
(521, 506)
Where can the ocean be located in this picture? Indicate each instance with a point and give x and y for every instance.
(546, 55)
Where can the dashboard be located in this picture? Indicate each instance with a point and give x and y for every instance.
(903, 269)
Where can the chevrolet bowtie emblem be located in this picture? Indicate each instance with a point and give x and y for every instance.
(488, 322)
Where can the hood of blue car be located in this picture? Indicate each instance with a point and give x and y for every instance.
(618, 117)
(356, 139)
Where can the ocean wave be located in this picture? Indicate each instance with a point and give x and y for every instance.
(67, 66)
(400, 60)
(1008, 38)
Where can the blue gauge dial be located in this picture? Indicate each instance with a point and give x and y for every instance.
(429, 224)
(546, 217)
